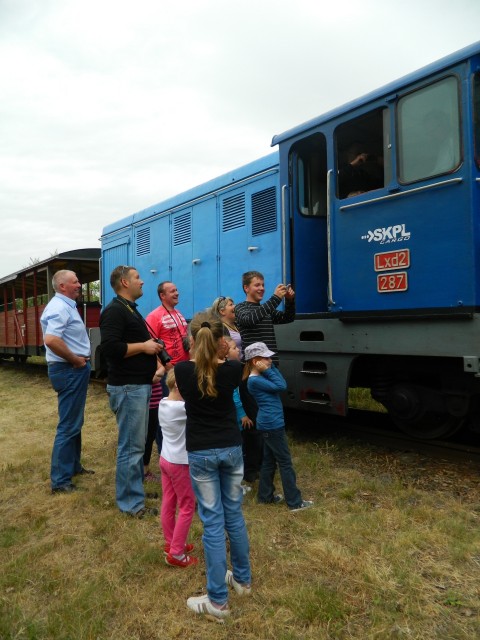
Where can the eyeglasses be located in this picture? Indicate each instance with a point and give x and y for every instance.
(125, 269)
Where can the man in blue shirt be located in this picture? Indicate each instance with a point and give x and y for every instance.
(68, 357)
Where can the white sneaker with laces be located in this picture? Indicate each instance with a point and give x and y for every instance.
(202, 604)
(240, 589)
(305, 504)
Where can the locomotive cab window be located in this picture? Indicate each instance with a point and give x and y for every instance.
(310, 161)
(362, 147)
(428, 122)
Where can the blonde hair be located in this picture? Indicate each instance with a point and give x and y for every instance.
(206, 331)
(248, 368)
(219, 304)
(171, 380)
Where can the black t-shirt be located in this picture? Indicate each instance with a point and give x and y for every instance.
(211, 422)
(121, 324)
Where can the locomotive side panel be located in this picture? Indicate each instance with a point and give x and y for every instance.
(203, 240)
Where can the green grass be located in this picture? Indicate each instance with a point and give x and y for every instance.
(390, 550)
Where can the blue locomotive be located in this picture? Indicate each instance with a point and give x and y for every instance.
(372, 212)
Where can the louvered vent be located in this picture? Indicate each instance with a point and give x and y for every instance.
(264, 211)
(182, 229)
(143, 241)
(233, 212)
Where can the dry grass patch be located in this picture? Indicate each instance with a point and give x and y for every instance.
(389, 551)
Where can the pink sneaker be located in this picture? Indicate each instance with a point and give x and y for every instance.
(183, 562)
(186, 549)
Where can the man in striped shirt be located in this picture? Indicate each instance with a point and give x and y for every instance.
(255, 320)
(256, 324)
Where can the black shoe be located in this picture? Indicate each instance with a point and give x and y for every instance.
(151, 496)
(146, 511)
(84, 471)
(66, 488)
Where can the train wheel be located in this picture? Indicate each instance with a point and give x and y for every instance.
(407, 406)
(430, 426)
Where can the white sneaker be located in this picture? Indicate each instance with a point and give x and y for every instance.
(202, 604)
(246, 489)
(305, 504)
(240, 589)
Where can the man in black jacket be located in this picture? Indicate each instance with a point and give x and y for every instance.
(132, 365)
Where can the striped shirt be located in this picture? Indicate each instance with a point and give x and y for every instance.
(156, 395)
(256, 321)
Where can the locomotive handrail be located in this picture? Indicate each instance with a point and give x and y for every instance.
(284, 240)
(329, 244)
(390, 196)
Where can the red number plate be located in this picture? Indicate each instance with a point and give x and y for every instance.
(388, 282)
(392, 260)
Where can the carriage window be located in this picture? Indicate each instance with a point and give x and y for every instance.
(476, 117)
(429, 131)
(362, 151)
(310, 166)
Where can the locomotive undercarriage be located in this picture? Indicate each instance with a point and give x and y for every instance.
(428, 397)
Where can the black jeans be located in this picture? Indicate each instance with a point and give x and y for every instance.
(276, 450)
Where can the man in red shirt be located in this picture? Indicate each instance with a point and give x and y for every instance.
(169, 325)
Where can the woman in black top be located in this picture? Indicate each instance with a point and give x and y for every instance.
(214, 449)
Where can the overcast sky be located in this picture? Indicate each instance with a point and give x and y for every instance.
(109, 106)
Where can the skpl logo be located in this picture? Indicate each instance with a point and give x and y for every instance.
(386, 235)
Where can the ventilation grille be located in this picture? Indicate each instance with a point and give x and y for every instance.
(143, 241)
(182, 229)
(264, 211)
(233, 212)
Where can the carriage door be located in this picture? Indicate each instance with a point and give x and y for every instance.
(308, 163)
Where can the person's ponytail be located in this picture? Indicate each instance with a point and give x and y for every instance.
(206, 331)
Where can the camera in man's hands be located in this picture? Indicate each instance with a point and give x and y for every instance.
(163, 355)
(186, 343)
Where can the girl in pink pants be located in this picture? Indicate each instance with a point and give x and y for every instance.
(176, 484)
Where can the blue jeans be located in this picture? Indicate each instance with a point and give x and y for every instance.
(129, 403)
(216, 475)
(275, 449)
(71, 386)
